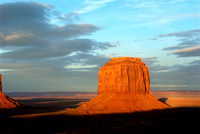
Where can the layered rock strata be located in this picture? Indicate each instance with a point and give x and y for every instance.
(123, 87)
(5, 101)
(124, 75)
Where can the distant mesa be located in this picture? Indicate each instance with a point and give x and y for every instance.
(123, 87)
(5, 101)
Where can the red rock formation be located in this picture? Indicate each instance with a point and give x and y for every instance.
(5, 101)
(124, 75)
(123, 87)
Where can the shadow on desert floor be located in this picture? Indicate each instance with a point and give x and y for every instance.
(164, 100)
(173, 121)
(46, 105)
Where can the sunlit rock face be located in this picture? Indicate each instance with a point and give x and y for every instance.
(124, 75)
(5, 101)
(123, 87)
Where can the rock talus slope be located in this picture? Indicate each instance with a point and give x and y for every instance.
(5, 101)
(123, 87)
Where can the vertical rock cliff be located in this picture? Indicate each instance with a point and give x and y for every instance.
(123, 87)
(124, 75)
(5, 101)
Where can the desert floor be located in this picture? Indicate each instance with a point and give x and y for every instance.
(182, 117)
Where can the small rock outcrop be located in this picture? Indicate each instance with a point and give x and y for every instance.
(123, 87)
(5, 101)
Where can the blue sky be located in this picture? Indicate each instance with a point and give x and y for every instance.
(49, 45)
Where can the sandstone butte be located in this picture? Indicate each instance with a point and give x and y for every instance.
(5, 101)
(123, 87)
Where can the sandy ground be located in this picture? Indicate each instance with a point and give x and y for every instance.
(181, 118)
(178, 99)
(171, 98)
(41, 106)
(183, 102)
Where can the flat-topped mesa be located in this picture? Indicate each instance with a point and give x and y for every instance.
(124, 75)
(123, 87)
(125, 59)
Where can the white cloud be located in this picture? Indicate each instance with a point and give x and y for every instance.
(91, 5)
(159, 85)
(176, 1)
(161, 21)
(147, 23)
(6, 70)
(79, 66)
(150, 3)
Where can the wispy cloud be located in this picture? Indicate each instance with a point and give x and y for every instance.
(153, 64)
(175, 47)
(156, 12)
(176, 1)
(92, 5)
(179, 77)
(188, 49)
(6, 70)
(150, 3)
(189, 33)
(188, 52)
(169, 19)
(146, 24)
(188, 46)
(79, 66)
(159, 85)
(161, 21)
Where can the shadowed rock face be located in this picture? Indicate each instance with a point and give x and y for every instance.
(123, 87)
(124, 75)
(5, 101)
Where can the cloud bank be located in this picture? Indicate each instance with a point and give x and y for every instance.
(189, 43)
(31, 46)
(42, 49)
